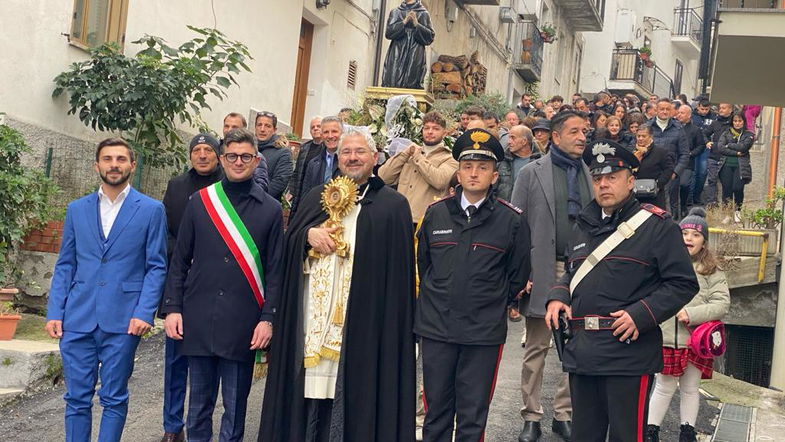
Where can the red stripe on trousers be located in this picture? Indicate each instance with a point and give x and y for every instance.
(493, 384)
(644, 388)
(238, 256)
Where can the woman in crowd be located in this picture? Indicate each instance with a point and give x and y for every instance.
(656, 165)
(735, 168)
(615, 131)
(620, 112)
(634, 121)
(683, 368)
(599, 119)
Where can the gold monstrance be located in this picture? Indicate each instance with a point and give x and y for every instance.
(338, 199)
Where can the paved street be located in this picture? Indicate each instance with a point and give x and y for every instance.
(39, 418)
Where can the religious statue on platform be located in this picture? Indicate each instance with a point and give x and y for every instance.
(409, 29)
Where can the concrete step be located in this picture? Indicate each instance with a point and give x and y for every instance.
(28, 365)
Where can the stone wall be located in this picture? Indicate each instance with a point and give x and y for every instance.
(73, 162)
(37, 268)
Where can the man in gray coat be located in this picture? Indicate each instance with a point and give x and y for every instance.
(551, 191)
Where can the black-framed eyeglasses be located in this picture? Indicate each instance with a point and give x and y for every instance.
(245, 158)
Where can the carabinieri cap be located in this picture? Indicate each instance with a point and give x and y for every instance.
(477, 144)
(607, 156)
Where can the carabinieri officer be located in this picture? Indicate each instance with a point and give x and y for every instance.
(627, 271)
(473, 258)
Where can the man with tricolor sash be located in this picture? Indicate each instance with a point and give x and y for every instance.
(342, 360)
(223, 288)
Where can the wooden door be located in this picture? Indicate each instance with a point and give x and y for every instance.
(301, 77)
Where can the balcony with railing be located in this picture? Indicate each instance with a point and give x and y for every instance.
(583, 15)
(527, 60)
(687, 30)
(629, 73)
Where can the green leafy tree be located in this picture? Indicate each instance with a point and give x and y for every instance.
(495, 103)
(144, 96)
(27, 200)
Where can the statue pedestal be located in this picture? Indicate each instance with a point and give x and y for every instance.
(424, 98)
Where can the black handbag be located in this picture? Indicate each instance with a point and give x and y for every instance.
(646, 188)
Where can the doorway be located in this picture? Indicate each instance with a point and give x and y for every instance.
(301, 76)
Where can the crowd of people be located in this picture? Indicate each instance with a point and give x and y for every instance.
(583, 219)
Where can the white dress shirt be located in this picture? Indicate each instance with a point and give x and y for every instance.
(110, 209)
(465, 203)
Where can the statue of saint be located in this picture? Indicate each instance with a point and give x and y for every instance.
(410, 31)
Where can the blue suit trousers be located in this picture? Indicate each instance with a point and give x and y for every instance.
(175, 381)
(82, 353)
(206, 373)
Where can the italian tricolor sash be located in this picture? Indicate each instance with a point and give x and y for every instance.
(236, 237)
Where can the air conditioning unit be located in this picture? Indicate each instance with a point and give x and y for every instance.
(625, 27)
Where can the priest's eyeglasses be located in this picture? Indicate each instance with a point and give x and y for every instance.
(246, 157)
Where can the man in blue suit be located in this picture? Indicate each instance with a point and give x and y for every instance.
(106, 286)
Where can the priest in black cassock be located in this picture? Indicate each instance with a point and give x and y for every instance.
(342, 364)
(409, 30)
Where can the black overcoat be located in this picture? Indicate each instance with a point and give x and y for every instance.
(378, 377)
(207, 286)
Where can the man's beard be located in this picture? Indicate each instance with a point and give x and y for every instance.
(428, 143)
(357, 177)
(124, 176)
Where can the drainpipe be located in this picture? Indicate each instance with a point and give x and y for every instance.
(775, 151)
(778, 352)
(381, 27)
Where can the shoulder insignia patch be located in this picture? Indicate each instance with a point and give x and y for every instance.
(655, 210)
(440, 200)
(509, 205)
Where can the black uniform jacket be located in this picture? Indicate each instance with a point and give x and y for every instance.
(469, 270)
(649, 275)
(375, 389)
(178, 193)
(206, 284)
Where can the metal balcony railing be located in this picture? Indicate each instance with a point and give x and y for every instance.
(626, 64)
(687, 23)
(528, 53)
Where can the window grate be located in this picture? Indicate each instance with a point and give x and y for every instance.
(749, 353)
(351, 79)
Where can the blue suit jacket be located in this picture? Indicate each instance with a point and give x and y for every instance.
(105, 284)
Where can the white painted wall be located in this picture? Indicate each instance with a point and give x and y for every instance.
(270, 29)
(596, 65)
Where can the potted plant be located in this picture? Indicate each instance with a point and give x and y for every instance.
(548, 33)
(9, 318)
(644, 52)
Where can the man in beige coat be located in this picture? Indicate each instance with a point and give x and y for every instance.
(422, 173)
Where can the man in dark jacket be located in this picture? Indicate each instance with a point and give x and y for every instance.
(617, 299)
(473, 260)
(321, 164)
(551, 192)
(279, 157)
(205, 170)
(223, 288)
(697, 142)
(518, 153)
(703, 117)
(669, 135)
(234, 120)
(713, 134)
(307, 152)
